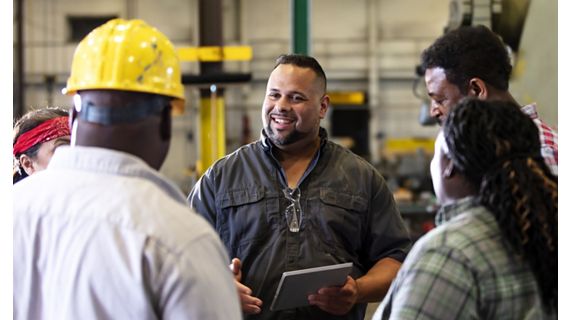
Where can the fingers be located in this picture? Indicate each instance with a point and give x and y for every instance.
(249, 303)
(348, 289)
(235, 266)
(336, 300)
(242, 289)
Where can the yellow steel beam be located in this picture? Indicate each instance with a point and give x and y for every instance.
(408, 145)
(215, 54)
(346, 97)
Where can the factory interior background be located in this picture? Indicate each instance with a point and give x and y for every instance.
(369, 50)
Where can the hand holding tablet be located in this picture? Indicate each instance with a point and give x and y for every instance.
(295, 286)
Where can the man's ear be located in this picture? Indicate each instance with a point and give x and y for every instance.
(478, 88)
(27, 164)
(166, 123)
(325, 103)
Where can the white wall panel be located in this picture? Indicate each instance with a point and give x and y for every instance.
(339, 19)
(266, 19)
(174, 18)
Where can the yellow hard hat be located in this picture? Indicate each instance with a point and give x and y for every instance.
(127, 55)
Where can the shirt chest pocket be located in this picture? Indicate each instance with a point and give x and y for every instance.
(341, 218)
(247, 215)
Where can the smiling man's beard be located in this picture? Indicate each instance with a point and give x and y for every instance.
(288, 139)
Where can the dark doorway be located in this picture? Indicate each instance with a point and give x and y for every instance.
(352, 121)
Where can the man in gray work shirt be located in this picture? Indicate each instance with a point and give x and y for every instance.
(295, 200)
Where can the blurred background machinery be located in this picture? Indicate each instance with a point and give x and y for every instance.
(369, 49)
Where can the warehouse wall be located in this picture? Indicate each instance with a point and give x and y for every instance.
(340, 40)
(535, 76)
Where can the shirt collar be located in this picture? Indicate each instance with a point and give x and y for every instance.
(267, 146)
(454, 209)
(530, 110)
(111, 162)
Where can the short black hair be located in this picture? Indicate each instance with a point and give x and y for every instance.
(303, 61)
(468, 52)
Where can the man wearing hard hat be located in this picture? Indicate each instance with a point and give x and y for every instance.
(106, 236)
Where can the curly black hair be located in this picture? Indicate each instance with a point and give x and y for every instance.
(468, 52)
(497, 148)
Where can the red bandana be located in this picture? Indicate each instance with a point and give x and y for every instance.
(48, 130)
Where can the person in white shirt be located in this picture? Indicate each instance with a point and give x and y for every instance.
(105, 236)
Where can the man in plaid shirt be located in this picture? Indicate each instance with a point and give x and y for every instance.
(474, 62)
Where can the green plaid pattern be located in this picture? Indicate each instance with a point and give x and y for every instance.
(463, 269)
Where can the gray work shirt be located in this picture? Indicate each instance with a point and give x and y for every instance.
(348, 215)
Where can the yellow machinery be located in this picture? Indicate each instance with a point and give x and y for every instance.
(212, 144)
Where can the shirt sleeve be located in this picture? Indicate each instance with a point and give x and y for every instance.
(388, 235)
(202, 197)
(434, 284)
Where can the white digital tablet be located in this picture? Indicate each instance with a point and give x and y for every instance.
(296, 286)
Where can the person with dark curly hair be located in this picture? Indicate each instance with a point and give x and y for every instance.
(36, 135)
(494, 254)
(474, 62)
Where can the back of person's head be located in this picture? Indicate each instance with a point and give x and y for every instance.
(303, 61)
(497, 148)
(32, 130)
(126, 79)
(470, 52)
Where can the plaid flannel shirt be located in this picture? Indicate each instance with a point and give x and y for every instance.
(548, 138)
(463, 270)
